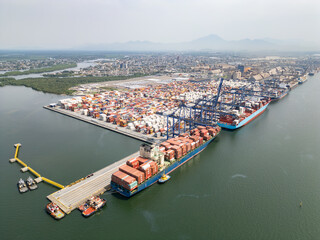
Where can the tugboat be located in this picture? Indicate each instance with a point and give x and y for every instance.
(84, 206)
(164, 178)
(92, 206)
(22, 186)
(55, 211)
(31, 184)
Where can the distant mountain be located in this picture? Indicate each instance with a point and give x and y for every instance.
(211, 42)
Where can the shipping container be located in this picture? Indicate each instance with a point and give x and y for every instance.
(138, 175)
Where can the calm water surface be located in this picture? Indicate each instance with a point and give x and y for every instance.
(247, 184)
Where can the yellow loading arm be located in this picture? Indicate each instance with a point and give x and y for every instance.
(17, 146)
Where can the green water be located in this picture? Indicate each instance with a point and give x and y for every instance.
(247, 184)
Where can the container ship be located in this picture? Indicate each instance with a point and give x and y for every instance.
(293, 84)
(246, 113)
(302, 79)
(156, 160)
(279, 94)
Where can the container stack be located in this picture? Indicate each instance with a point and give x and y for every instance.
(124, 180)
(138, 169)
(144, 109)
(177, 147)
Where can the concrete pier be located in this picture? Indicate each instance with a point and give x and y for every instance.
(38, 180)
(73, 195)
(109, 126)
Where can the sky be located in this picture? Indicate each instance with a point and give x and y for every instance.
(63, 24)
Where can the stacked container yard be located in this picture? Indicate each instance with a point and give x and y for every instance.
(134, 109)
(144, 109)
(137, 114)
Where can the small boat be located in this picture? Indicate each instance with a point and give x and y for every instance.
(84, 206)
(89, 211)
(31, 184)
(22, 186)
(55, 211)
(94, 204)
(164, 178)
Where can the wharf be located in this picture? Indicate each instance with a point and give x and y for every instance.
(73, 195)
(106, 125)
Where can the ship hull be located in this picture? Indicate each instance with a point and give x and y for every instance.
(156, 177)
(87, 213)
(281, 96)
(302, 81)
(56, 215)
(245, 121)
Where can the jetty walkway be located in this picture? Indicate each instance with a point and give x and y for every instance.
(75, 194)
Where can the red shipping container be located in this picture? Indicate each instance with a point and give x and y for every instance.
(164, 144)
(133, 163)
(184, 149)
(206, 138)
(168, 147)
(123, 180)
(202, 134)
(194, 138)
(193, 146)
(212, 132)
(201, 140)
(188, 147)
(138, 175)
(142, 160)
(162, 149)
(154, 167)
(170, 155)
(177, 151)
(201, 127)
(146, 169)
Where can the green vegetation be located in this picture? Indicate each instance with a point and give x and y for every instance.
(40, 70)
(59, 85)
(5, 81)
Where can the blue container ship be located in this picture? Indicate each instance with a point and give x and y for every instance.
(282, 94)
(169, 167)
(231, 123)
